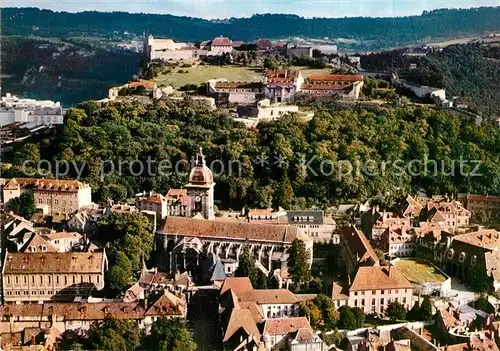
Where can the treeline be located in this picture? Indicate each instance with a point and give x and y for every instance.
(469, 72)
(386, 32)
(288, 162)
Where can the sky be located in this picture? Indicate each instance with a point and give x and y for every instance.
(210, 9)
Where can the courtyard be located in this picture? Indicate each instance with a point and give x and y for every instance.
(420, 271)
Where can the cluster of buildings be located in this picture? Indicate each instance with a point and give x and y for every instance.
(168, 49)
(20, 118)
(49, 276)
(282, 85)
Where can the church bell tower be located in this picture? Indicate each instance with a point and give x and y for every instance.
(200, 188)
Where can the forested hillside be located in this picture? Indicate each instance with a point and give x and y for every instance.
(125, 132)
(69, 72)
(384, 32)
(470, 72)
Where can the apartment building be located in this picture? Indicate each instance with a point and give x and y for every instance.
(45, 276)
(374, 288)
(52, 196)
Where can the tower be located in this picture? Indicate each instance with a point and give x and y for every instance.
(200, 188)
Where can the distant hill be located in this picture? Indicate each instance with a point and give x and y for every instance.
(63, 71)
(381, 32)
(469, 72)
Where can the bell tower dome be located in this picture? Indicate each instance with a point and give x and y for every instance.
(200, 188)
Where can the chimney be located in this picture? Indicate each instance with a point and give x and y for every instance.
(390, 271)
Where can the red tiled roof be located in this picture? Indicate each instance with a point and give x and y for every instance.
(237, 284)
(338, 292)
(38, 244)
(221, 41)
(283, 326)
(234, 230)
(148, 84)
(320, 86)
(241, 319)
(42, 183)
(54, 262)
(379, 277)
(268, 296)
(359, 245)
(282, 76)
(477, 197)
(76, 311)
(167, 305)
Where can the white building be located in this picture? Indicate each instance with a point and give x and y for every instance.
(64, 241)
(14, 110)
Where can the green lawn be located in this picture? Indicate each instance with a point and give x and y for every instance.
(420, 271)
(200, 74)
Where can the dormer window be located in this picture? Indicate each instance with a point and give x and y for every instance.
(461, 257)
(451, 252)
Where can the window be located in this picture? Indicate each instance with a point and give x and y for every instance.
(362, 302)
(404, 300)
(50, 279)
(98, 278)
(25, 280)
(57, 279)
(41, 279)
(473, 260)
(40, 200)
(8, 280)
(374, 292)
(382, 301)
(450, 254)
(461, 257)
(373, 301)
(65, 280)
(355, 303)
(17, 280)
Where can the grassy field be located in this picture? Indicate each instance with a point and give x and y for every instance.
(200, 74)
(420, 271)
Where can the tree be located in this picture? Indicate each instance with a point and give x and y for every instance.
(298, 263)
(261, 280)
(127, 233)
(114, 334)
(360, 316)
(481, 303)
(347, 319)
(27, 204)
(246, 267)
(309, 310)
(329, 315)
(14, 205)
(120, 273)
(396, 311)
(480, 217)
(169, 335)
(414, 313)
(426, 309)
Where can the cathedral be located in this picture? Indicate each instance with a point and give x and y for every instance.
(191, 229)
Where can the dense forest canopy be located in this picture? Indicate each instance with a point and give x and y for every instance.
(96, 133)
(469, 72)
(385, 32)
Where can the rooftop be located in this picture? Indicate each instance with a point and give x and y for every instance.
(379, 277)
(283, 326)
(54, 262)
(225, 229)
